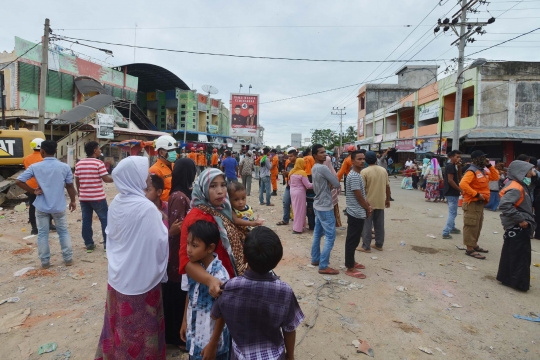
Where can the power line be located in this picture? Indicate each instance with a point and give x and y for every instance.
(65, 38)
(491, 47)
(236, 27)
(510, 9)
(20, 56)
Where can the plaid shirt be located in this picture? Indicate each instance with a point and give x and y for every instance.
(256, 309)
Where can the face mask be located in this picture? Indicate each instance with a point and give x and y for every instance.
(527, 181)
(171, 156)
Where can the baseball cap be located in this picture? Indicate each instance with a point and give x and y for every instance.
(477, 153)
(371, 157)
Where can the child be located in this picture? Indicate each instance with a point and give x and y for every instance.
(153, 193)
(258, 291)
(204, 336)
(244, 213)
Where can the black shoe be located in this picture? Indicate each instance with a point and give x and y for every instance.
(274, 193)
(90, 248)
(391, 199)
(34, 231)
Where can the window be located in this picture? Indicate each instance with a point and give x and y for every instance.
(183, 118)
(183, 112)
(362, 102)
(183, 106)
(28, 78)
(470, 107)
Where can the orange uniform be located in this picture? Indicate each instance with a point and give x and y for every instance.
(33, 158)
(201, 159)
(274, 172)
(345, 168)
(215, 159)
(474, 182)
(193, 156)
(309, 162)
(163, 171)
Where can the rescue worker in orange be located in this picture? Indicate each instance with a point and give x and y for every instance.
(275, 171)
(309, 161)
(166, 148)
(201, 160)
(475, 186)
(346, 166)
(192, 155)
(215, 158)
(33, 158)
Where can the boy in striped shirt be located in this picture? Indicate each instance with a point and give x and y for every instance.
(89, 176)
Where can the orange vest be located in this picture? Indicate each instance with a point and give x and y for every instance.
(193, 156)
(164, 172)
(201, 159)
(33, 158)
(517, 186)
(214, 159)
(275, 165)
(345, 168)
(310, 162)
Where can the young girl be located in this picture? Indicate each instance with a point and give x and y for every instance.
(244, 212)
(204, 337)
(153, 193)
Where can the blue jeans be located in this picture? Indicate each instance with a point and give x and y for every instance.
(324, 221)
(230, 180)
(494, 201)
(265, 185)
(452, 213)
(287, 205)
(87, 209)
(60, 220)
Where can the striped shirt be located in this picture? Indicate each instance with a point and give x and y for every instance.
(89, 172)
(355, 182)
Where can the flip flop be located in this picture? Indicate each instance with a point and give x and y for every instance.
(479, 249)
(329, 271)
(361, 249)
(359, 266)
(355, 274)
(281, 223)
(475, 255)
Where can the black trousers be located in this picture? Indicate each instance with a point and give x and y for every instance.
(355, 227)
(32, 211)
(174, 302)
(536, 206)
(515, 263)
(415, 181)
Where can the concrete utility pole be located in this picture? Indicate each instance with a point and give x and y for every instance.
(459, 90)
(341, 113)
(43, 79)
(3, 97)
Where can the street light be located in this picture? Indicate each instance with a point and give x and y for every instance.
(459, 93)
(249, 90)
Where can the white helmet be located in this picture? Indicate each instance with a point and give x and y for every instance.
(165, 142)
(36, 143)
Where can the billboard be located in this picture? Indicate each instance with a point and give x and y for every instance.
(296, 140)
(106, 126)
(431, 145)
(244, 114)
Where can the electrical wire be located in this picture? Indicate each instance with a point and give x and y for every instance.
(491, 47)
(20, 56)
(70, 39)
(509, 9)
(234, 27)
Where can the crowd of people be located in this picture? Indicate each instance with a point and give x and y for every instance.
(190, 265)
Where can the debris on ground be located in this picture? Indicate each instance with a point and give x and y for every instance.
(23, 271)
(362, 346)
(374, 258)
(39, 273)
(402, 243)
(528, 318)
(308, 283)
(47, 348)
(431, 236)
(456, 306)
(423, 274)
(461, 247)
(28, 237)
(426, 350)
(20, 208)
(10, 300)
(447, 294)
(439, 350)
(401, 288)
(63, 356)
(21, 251)
(13, 319)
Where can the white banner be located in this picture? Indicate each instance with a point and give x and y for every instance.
(105, 129)
(428, 111)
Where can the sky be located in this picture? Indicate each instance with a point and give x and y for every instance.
(344, 29)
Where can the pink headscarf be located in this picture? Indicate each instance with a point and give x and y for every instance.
(435, 166)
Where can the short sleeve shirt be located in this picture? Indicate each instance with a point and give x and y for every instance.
(230, 164)
(449, 190)
(247, 166)
(89, 172)
(355, 182)
(375, 181)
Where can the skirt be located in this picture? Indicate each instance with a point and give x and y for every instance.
(432, 191)
(515, 263)
(134, 326)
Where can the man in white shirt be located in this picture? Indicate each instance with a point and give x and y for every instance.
(408, 163)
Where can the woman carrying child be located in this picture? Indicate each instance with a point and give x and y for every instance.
(298, 182)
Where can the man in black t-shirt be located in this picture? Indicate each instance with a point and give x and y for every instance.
(452, 192)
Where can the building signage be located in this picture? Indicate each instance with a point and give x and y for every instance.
(375, 147)
(296, 140)
(202, 102)
(364, 147)
(378, 138)
(404, 145)
(428, 111)
(431, 145)
(245, 114)
(212, 129)
(105, 128)
(387, 145)
(361, 127)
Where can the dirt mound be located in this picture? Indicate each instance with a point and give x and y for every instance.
(39, 273)
(21, 251)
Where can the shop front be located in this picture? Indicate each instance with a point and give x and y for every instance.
(405, 150)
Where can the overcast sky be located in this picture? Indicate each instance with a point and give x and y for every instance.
(342, 29)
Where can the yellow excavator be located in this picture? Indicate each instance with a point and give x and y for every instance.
(14, 146)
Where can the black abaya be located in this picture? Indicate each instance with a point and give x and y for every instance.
(515, 263)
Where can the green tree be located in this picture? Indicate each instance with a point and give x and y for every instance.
(325, 137)
(350, 135)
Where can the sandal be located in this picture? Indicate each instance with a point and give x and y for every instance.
(480, 250)
(314, 264)
(270, 205)
(359, 266)
(475, 255)
(329, 271)
(282, 223)
(355, 274)
(296, 232)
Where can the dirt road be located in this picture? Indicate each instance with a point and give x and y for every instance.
(65, 305)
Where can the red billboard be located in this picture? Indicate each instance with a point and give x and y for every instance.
(244, 114)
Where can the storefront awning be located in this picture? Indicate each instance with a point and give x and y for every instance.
(88, 85)
(85, 109)
(504, 133)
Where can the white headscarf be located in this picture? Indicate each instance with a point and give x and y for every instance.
(137, 239)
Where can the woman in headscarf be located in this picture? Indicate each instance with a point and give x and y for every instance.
(425, 166)
(137, 250)
(174, 299)
(433, 177)
(517, 218)
(299, 182)
(335, 192)
(210, 202)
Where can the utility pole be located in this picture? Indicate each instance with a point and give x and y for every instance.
(3, 97)
(466, 31)
(43, 79)
(341, 113)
